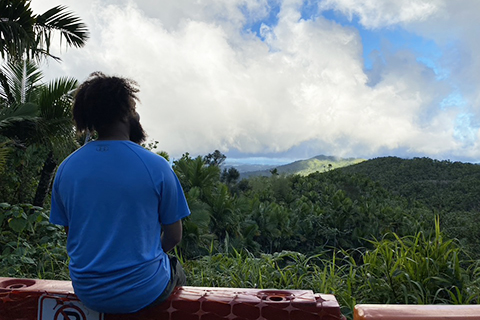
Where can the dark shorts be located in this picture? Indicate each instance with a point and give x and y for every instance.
(177, 279)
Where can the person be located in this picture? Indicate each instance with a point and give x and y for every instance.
(121, 205)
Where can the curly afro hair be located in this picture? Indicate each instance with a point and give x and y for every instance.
(102, 100)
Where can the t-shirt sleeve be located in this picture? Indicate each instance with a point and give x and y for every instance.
(57, 212)
(173, 205)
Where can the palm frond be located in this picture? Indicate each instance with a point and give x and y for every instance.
(6, 96)
(55, 99)
(19, 81)
(22, 32)
(4, 152)
(71, 29)
(19, 123)
(16, 28)
(10, 116)
(56, 124)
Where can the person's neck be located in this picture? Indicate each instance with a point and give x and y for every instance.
(116, 131)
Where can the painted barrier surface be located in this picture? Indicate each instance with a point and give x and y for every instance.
(416, 312)
(29, 299)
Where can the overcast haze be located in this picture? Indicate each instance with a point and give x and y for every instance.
(291, 78)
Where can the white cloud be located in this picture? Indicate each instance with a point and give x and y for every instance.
(383, 13)
(207, 84)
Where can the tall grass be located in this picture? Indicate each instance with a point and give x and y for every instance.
(419, 269)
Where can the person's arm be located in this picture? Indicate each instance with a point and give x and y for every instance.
(171, 235)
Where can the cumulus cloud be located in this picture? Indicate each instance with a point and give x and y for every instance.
(382, 13)
(208, 83)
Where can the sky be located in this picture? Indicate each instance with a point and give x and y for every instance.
(291, 79)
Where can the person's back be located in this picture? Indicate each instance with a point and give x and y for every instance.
(115, 197)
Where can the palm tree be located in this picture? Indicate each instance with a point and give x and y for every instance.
(224, 219)
(196, 231)
(20, 85)
(56, 129)
(196, 173)
(34, 113)
(25, 34)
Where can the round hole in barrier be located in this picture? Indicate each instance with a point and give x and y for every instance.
(275, 295)
(14, 284)
(17, 286)
(276, 298)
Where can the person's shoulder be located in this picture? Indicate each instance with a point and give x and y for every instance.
(147, 154)
(73, 155)
(69, 164)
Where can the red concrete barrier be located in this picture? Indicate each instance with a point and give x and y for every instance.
(416, 312)
(29, 299)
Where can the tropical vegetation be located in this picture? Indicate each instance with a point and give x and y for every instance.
(35, 121)
(24, 34)
(331, 232)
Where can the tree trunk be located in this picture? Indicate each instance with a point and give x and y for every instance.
(45, 179)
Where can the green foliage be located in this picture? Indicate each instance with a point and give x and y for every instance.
(164, 154)
(443, 185)
(307, 214)
(215, 158)
(242, 269)
(55, 123)
(196, 173)
(32, 112)
(326, 210)
(450, 189)
(29, 245)
(230, 176)
(19, 181)
(152, 146)
(416, 269)
(26, 33)
(36, 124)
(196, 233)
(362, 239)
(5, 150)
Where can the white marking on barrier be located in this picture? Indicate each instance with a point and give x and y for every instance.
(60, 308)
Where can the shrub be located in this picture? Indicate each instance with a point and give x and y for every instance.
(31, 247)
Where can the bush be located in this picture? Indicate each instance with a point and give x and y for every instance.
(31, 247)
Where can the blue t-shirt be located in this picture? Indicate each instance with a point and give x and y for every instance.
(114, 196)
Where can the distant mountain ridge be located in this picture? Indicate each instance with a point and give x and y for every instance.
(449, 191)
(444, 185)
(320, 163)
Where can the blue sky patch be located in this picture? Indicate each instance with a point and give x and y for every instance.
(466, 129)
(309, 10)
(394, 39)
(254, 25)
(454, 99)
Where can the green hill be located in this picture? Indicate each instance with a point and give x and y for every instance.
(319, 163)
(442, 185)
(449, 189)
(445, 188)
